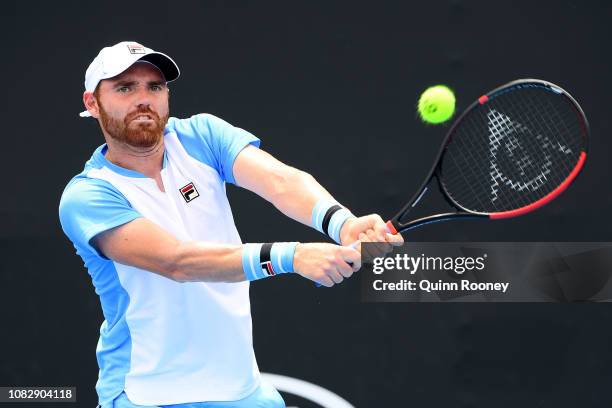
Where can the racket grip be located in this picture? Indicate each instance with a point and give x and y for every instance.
(353, 245)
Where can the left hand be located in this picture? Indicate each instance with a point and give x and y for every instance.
(370, 228)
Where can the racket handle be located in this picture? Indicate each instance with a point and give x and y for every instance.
(353, 245)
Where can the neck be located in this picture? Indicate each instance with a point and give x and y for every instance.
(148, 160)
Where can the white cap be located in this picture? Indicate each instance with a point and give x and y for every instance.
(111, 61)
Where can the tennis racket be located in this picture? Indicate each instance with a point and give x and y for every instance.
(510, 152)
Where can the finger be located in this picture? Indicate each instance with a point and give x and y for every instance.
(395, 239)
(335, 276)
(352, 256)
(381, 229)
(363, 248)
(343, 268)
(379, 248)
(371, 248)
(325, 281)
(356, 245)
(363, 237)
(366, 256)
(381, 244)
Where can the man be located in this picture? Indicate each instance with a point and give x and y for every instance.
(151, 220)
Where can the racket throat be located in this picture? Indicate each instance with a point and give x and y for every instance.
(403, 227)
(419, 197)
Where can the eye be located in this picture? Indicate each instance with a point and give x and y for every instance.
(157, 88)
(123, 89)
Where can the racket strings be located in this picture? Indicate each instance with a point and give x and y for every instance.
(501, 127)
(513, 150)
(517, 139)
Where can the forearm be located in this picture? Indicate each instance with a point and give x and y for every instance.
(144, 245)
(201, 261)
(296, 194)
(292, 191)
(299, 196)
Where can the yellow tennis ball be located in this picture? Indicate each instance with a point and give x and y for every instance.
(436, 104)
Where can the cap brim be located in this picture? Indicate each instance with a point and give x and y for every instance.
(165, 64)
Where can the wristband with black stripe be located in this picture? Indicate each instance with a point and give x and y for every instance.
(328, 217)
(265, 260)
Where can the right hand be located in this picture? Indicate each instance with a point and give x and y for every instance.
(326, 264)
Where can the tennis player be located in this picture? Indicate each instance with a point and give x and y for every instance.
(150, 218)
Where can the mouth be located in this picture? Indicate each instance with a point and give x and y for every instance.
(144, 117)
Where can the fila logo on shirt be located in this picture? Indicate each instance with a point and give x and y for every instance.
(189, 192)
(267, 268)
(136, 48)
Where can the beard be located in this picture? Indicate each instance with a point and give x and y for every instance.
(140, 135)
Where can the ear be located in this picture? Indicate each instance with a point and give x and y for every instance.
(91, 104)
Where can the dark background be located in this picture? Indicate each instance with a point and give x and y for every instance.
(331, 88)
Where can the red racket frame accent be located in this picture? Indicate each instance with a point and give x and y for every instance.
(547, 198)
(483, 99)
(391, 227)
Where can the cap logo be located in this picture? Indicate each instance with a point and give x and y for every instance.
(136, 49)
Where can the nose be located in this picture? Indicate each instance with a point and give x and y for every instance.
(142, 98)
(143, 106)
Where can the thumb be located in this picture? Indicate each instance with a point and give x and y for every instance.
(380, 228)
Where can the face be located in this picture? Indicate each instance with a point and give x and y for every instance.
(133, 106)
